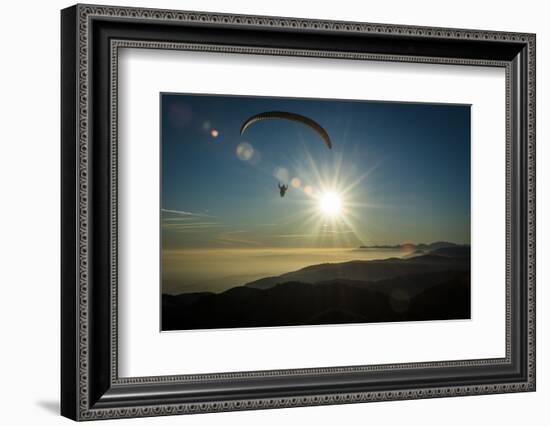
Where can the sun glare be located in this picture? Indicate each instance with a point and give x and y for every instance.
(330, 204)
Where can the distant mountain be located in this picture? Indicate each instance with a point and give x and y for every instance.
(453, 251)
(433, 286)
(367, 270)
(408, 246)
(437, 245)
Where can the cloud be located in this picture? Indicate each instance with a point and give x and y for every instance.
(322, 232)
(233, 238)
(190, 226)
(184, 213)
(334, 231)
(186, 221)
(295, 235)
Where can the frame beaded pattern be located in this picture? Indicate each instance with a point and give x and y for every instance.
(115, 46)
(85, 14)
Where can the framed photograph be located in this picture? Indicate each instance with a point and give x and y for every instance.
(263, 212)
(292, 222)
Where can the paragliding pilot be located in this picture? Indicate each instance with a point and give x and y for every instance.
(282, 189)
(289, 116)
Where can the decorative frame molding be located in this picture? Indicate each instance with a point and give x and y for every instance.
(91, 37)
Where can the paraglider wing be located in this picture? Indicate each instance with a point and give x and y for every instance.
(282, 115)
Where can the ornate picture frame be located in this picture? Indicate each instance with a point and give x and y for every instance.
(91, 37)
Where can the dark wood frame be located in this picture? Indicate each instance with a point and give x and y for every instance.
(90, 386)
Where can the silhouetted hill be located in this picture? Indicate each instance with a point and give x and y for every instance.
(368, 270)
(456, 251)
(421, 246)
(427, 296)
(446, 251)
(432, 286)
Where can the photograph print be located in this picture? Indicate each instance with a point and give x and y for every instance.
(300, 212)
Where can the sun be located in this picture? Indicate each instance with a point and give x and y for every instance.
(330, 204)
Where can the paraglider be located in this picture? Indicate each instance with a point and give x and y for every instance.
(282, 189)
(290, 116)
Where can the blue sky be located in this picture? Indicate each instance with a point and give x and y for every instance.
(400, 170)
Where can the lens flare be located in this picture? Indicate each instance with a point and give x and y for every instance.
(214, 133)
(245, 151)
(281, 174)
(327, 206)
(295, 182)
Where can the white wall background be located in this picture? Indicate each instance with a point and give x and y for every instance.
(29, 213)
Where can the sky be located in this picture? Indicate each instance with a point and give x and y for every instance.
(397, 172)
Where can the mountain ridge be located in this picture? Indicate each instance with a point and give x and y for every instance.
(422, 246)
(427, 286)
(374, 270)
(434, 296)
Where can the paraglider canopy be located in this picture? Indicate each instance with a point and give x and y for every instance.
(290, 116)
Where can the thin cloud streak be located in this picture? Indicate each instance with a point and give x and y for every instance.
(229, 238)
(185, 213)
(191, 225)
